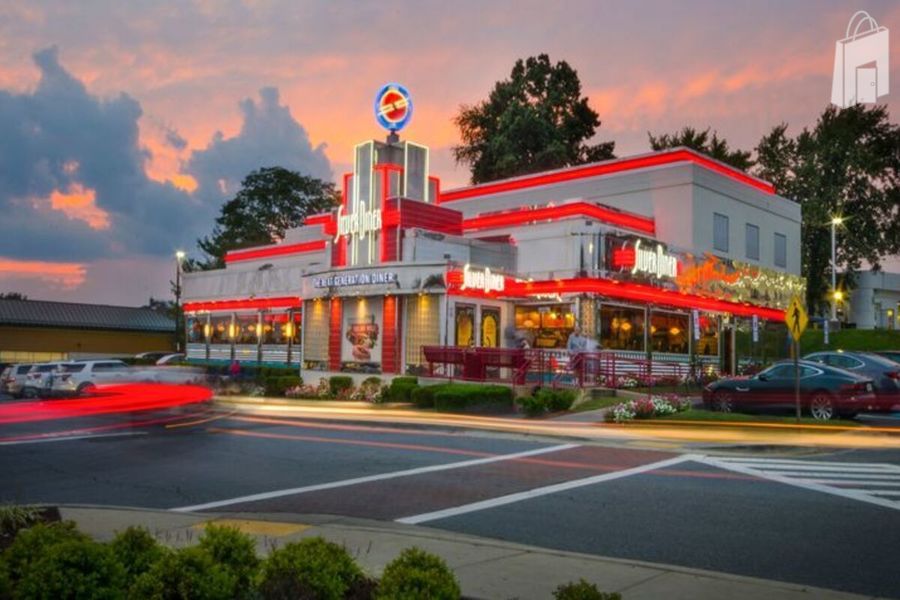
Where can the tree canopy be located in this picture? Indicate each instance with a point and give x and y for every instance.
(271, 201)
(13, 296)
(847, 166)
(701, 141)
(534, 121)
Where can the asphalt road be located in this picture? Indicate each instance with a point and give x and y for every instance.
(829, 520)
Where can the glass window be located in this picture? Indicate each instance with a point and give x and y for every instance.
(273, 328)
(808, 371)
(720, 232)
(752, 242)
(221, 330)
(708, 344)
(465, 325)
(621, 328)
(246, 329)
(780, 259)
(779, 372)
(546, 326)
(669, 332)
(73, 368)
(195, 327)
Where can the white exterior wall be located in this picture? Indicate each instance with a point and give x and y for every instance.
(875, 294)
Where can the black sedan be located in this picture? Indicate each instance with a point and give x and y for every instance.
(825, 392)
(884, 373)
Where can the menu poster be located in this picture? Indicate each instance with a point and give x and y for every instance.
(362, 331)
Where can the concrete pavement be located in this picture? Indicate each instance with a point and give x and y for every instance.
(485, 568)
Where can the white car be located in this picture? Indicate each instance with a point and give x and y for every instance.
(13, 379)
(79, 378)
(39, 379)
(170, 359)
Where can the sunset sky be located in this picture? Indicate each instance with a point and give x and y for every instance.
(125, 125)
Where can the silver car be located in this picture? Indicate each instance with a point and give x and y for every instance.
(13, 379)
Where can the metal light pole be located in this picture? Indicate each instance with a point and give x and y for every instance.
(179, 258)
(835, 296)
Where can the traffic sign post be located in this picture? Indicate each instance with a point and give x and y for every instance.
(796, 319)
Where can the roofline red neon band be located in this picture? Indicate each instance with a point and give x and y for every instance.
(607, 168)
(620, 290)
(574, 209)
(244, 304)
(275, 251)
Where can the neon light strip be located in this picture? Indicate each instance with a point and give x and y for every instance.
(320, 219)
(607, 168)
(275, 251)
(246, 303)
(620, 290)
(575, 209)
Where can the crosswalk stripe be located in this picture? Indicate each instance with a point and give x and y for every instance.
(829, 474)
(807, 463)
(885, 492)
(853, 482)
(823, 468)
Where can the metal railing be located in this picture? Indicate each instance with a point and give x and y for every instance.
(553, 368)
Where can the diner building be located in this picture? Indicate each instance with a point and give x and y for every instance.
(669, 255)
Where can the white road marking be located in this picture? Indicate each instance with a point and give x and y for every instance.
(69, 438)
(543, 491)
(885, 492)
(370, 478)
(758, 468)
(829, 474)
(855, 482)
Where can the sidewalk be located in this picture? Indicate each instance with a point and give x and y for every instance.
(486, 569)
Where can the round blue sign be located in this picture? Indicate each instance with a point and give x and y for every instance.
(393, 107)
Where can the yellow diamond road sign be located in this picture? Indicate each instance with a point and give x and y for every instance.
(796, 318)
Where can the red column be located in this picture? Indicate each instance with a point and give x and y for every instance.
(390, 347)
(334, 335)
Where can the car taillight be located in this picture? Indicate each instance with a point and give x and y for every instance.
(893, 374)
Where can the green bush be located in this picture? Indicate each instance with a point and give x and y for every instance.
(533, 406)
(583, 590)
(73, 569)
(15, 517)
(405, 380)
(460, 396)
(278, 385)
(235, 552)
(423, 397)
(187, 574)
(137, 550)
(310, 568)
(373, 381)
(417, 575)
(401, 391)
(33, 543)
(338, 383)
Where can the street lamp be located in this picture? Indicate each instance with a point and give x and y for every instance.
(836, 294)
(179, 258)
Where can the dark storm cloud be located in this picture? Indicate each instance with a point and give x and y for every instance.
(269, 137)
(60, 137)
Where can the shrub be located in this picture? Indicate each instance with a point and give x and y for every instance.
(401, 389)
(279, 385)
(33, 543)
(460, 396)
(73, 569)
(423, 397)
(14, 517)
(310, 568)
(185, 574)
(235, 552)
(533, 406)
(137, 550)
(368, 391)
(417, 575)
(559, 400)
(338, 383)
(583, 590)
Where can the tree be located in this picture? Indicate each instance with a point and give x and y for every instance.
(13, 296)
(271, 201)
(533, 121)
(848, 165)
(701, 141)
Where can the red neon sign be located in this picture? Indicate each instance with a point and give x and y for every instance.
(624, 258)
(608, 168)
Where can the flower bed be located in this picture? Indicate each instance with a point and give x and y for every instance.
(647, 408)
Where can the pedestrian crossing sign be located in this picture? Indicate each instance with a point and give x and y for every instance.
(796, 318)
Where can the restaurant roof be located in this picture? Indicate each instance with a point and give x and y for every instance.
(42, 313)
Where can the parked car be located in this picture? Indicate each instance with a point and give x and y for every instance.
(893, 355)
(13, 379)
(151, 357)
(884, 373)
(80, 378)
(39, 379)
(169, 359)
(825, 392)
